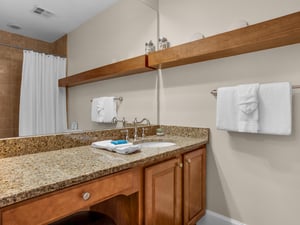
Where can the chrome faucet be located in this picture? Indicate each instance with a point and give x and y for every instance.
(144, 119)
(135, 122)
(115, 120)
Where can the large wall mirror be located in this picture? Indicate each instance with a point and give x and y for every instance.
(118, 33)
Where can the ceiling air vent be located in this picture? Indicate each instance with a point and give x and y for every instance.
(42, 12)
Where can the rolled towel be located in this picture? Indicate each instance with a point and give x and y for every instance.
(248, 113)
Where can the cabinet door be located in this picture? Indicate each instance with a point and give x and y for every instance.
(163, 198)
(194, 186)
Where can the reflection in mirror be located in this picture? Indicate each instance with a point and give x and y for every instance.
(117, 34)
(11, 58)
(114, 46)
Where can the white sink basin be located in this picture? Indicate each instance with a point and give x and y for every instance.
(157, 144)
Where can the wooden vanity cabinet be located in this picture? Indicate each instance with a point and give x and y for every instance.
(171, 192)
(163, 193)
(52, 207)
(174, 187)
(194, 183)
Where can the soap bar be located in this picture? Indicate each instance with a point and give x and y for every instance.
(119, 142)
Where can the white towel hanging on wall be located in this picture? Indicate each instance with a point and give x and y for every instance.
(227, 110)
(103, 109)
(248, 110)
(274, 109)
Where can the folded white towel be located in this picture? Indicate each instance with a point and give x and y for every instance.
(275, 106)
(97, 106)
(248, 108)
(127, 149)
(274, 109)
(103, 109)
(108, 145)
(227, 110)
(120, 148)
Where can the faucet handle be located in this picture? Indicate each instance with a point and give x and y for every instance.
(143, 131)
(124, 123)
(148, 122)
(126, 134)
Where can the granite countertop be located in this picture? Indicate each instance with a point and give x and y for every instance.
(31, 175)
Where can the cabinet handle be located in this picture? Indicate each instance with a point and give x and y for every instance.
(86, 196)
(180, 165)
(188, 161)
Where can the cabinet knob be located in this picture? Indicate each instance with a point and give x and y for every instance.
(180, 165)
(188, 160)
(86, 196)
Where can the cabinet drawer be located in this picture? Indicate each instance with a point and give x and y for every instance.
(63, 203)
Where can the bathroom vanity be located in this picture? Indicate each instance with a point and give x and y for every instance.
(154, 186)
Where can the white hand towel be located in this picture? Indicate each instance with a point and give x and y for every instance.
(103, 109)
(227, 110)
(110, 109)
(97, 106)
(108, 145)
(248, 112)
(274, 109)
(275, 106)
(127, 148)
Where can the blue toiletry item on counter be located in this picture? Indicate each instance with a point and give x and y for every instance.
(119, 142)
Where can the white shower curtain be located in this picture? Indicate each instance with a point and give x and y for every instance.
(42, 102)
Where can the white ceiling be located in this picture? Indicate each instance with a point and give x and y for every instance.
(67, 15)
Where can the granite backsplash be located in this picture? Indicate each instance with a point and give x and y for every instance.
(10, 147)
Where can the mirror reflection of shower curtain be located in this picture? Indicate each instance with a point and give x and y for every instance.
(42, 102)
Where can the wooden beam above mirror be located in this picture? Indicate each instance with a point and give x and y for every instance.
(118, 69)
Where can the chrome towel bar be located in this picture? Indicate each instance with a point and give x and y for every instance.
(115, 98)
(215, 92)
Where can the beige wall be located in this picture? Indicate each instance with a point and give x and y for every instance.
(251, 178)
(118, 33)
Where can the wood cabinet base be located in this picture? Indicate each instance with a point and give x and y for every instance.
(171, 192)
(175, 186)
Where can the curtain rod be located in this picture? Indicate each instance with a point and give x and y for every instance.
(215, 92)
(20, 48)
(12, 46)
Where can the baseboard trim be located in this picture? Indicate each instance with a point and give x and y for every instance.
(218, 219)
